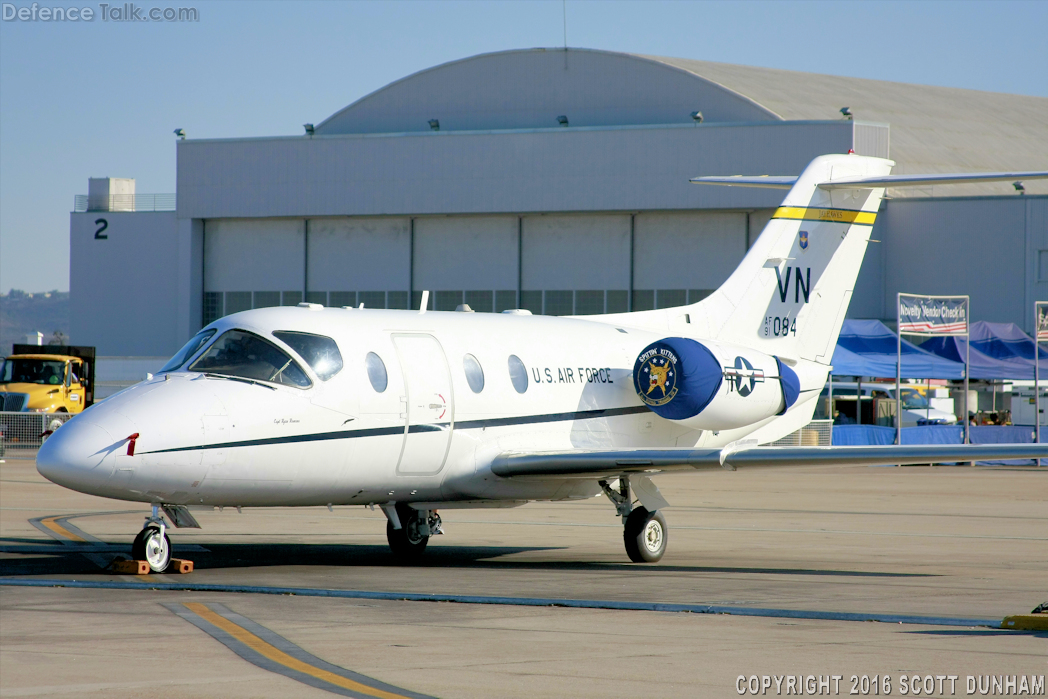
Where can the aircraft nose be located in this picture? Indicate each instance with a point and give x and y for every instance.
(75, 456)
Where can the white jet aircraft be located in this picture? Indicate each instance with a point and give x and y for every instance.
(417, 411)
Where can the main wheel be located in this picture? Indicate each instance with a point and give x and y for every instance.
(150, 547)
(406, 543)
(645, 536)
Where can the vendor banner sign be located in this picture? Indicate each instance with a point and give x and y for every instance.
(1042, 320)
(934, 315)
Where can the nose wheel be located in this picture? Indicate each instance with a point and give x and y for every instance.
(153, 546)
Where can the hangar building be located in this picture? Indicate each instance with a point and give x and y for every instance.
(557, 181)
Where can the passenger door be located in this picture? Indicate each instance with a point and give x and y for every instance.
(428, 404)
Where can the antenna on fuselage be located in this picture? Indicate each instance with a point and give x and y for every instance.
(425, 302)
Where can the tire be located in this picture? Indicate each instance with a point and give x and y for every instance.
(645, 536)
(149, 548)
(406, 545)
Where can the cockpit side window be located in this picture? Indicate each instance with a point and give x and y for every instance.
(321, 353)
(188, 350)
(239, 353)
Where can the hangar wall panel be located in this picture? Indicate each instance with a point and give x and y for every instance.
(359, 260)
(252, 263)
(683, 257)
(640, 168)
(124, 287)
(1036, 256)
(575, 263)
(759, 218)
(869, 298)
(871, 139)
(973, 246)
(467, 259)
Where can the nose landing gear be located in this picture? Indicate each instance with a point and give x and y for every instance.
(152, 543)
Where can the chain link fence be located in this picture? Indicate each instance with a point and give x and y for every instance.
(21, 434)
(817, 433)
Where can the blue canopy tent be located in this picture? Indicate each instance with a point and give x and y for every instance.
(998, 351)
(1005, 341)
(868, 348)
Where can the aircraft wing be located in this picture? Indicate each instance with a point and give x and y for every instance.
(600, 463)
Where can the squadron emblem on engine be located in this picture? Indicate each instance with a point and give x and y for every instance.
(657, 378)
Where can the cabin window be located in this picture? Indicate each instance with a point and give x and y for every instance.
(474, 373)
(518, 374)
(188, 350)
(239, 353)
(321, 353)
(376, 372)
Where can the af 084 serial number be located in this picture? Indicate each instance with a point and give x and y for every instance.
(779, 326)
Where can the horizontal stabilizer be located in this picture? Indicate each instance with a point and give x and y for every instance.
(923, 180)
(765, 181)
(608, 463)
(786, 182)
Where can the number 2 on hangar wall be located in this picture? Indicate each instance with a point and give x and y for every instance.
(102, 225)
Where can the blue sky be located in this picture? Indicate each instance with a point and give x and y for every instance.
(93, 99)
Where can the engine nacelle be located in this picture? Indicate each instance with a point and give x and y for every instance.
(712, 386)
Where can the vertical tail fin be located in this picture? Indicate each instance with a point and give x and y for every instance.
(790, 294)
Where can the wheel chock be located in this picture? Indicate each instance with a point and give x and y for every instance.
(1026, 622)
(179, 566)
(119, 567)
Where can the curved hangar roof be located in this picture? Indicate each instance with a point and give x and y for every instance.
(933, 129)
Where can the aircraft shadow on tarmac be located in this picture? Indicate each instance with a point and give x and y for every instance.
(977, 632)
(44, 558)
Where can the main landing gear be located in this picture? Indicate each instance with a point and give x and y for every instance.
(408, 530)
(152, 544)
(644, 531)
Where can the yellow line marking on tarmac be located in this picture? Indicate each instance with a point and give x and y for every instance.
(278, 656)
(57, 528)
(832, 215)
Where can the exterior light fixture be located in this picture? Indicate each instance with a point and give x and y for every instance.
(846, 113)
(1019, 187)
(309, 129)
(434, 124)
(562, 120)
(181, 133)
(697, 117)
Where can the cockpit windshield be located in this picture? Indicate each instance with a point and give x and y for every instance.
(320, 352)
(188, 350)
(19, 370)
(239, 353)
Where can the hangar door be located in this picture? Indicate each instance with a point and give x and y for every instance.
(252, 263)
(359, 260)
(575, 264)
(682, 257)
(466, 259)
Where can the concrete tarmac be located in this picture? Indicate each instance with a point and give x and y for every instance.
(952, 542)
